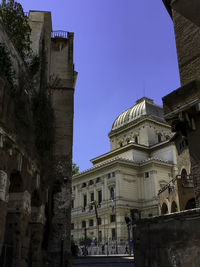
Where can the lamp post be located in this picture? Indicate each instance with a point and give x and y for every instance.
(128, 224)
(115, 209)
(94, 203)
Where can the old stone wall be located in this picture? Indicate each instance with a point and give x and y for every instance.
(17, 62)
(62, 99)
(169, 241)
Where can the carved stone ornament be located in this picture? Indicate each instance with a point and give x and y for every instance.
(4, 184)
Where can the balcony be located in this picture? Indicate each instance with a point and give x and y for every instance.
(111, 180)
(59, 34)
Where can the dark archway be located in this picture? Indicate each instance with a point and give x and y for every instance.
(16, 182)
(191, 204)
(184, 174)
(164, 209)
(174, 207)
(36, 199)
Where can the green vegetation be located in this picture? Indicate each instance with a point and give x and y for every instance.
(17, 27)
(6, 68)
(75, 168)
(88, 240)
(34, 113)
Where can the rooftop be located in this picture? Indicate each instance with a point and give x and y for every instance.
(144, 107)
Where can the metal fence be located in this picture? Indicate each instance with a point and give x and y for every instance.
(105, 249)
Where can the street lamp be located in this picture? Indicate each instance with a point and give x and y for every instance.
(94, 203)
(128, 224)
(115, 209)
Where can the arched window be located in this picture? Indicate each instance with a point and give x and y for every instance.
(164, 209)
(136, 139)
(184, 174)
(190, 204)
(159, 138)
(174, 207)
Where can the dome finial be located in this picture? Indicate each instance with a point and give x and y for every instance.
(144, 98)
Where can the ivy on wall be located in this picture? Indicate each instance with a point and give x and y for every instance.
(33, 114)
(6, 68)
(17, 26)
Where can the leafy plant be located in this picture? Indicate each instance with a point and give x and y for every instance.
(6, 66)
(75, 168)
(17, 26)
(88, 240)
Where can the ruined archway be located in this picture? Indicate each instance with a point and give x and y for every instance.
(174, 207)
(190, 204)
(16, 182)
(184, 174)
(164, 209)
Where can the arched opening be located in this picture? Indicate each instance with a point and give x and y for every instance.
(184, 174)
(16, 182)
(36, 200)
(174, 207)
(191, 204)
(13, 228)
(136, 139)
(159, 138)
(164, 209)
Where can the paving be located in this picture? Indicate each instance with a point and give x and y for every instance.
(104, 261)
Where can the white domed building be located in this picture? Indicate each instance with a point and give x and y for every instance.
(140, 162)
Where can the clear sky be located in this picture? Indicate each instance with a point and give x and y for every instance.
(123, 50)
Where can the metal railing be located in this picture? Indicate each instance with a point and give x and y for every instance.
(59, 34)
(186, 180)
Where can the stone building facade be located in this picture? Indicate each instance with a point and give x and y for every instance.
(141, 161)
(181, 107)
(172, 240)
(35, 191)
(178, 194)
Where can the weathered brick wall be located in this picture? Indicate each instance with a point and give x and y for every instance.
(168, 240)
(188, 50)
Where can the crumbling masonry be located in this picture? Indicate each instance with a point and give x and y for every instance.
(35, 191)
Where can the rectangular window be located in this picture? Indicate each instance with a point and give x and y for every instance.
(92, 197)
(84, 201)
(72, 226)
(99, 197)
(113, 234)
(146, 175)
(109, 175)
(83, 224)
(112, 218)
(72, 203)
(91, 222)
(113, 174)
(99, 221)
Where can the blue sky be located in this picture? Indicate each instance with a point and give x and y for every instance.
(123, 50)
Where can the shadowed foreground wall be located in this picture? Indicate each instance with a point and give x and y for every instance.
(168, 241)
